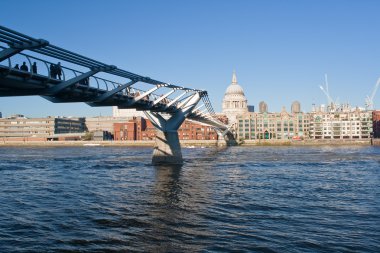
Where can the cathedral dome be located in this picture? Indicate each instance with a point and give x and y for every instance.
(234, 101)
(234, 88)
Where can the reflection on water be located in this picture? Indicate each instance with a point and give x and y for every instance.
(251, 199)
(167, 185)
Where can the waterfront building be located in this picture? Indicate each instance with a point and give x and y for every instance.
(18, 127)
(234, 101)
(140, 128)
(130, 130)
(195, 131)
(266, 125)
(101, 136)
(104, 123)
(126, 113)
(355, 124)
(376, 124)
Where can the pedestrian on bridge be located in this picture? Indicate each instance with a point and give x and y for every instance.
(34, 68)
(59, 70)
(24, 67)
(16, 66)
(53, 72)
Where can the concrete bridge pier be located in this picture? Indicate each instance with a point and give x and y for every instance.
(167, 149)
(226, 138)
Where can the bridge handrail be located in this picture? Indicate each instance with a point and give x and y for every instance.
(13, 38)
(63, 67)
(76, 73)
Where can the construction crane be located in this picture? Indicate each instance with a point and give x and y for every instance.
(325, 90)
(369, 99)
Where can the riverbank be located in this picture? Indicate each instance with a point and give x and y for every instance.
(305, 142)
(184, 143)
(190, 143)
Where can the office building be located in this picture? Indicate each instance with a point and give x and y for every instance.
(19, 127)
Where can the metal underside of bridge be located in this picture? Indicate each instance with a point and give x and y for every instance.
(165, 104)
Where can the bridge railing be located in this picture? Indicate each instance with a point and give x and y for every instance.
(68, 73)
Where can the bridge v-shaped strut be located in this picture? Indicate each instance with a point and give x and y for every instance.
(17, 47)
(167, 148)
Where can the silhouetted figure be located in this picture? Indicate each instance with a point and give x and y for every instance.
(53, 71)
(17, 67)
(24, 67)
(59, 70)
(34, 68)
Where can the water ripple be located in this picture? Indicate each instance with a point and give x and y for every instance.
(251, 199)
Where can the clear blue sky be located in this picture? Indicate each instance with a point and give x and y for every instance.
(279, 49)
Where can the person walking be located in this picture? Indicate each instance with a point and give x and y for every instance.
(59, 71)
(24, 67)
(34, 68)
(53, 72)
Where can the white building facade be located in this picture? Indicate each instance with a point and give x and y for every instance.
(341, 125)
(126, 113)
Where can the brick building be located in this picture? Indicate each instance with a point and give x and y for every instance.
(142, 129)
(130, 130)
(193, 131)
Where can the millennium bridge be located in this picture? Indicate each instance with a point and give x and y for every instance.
(62, 76)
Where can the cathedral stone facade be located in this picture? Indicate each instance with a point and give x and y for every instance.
(234, 101)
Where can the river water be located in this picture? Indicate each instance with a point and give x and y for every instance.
(242, 199)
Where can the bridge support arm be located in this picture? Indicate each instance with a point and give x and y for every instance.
(138, 98)
(17, 48)
(177, 98)
(179, 117)
(163, 97)
(167, 148)
(8, 52)
(110, 93)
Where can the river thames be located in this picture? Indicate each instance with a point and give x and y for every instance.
(243, 199)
